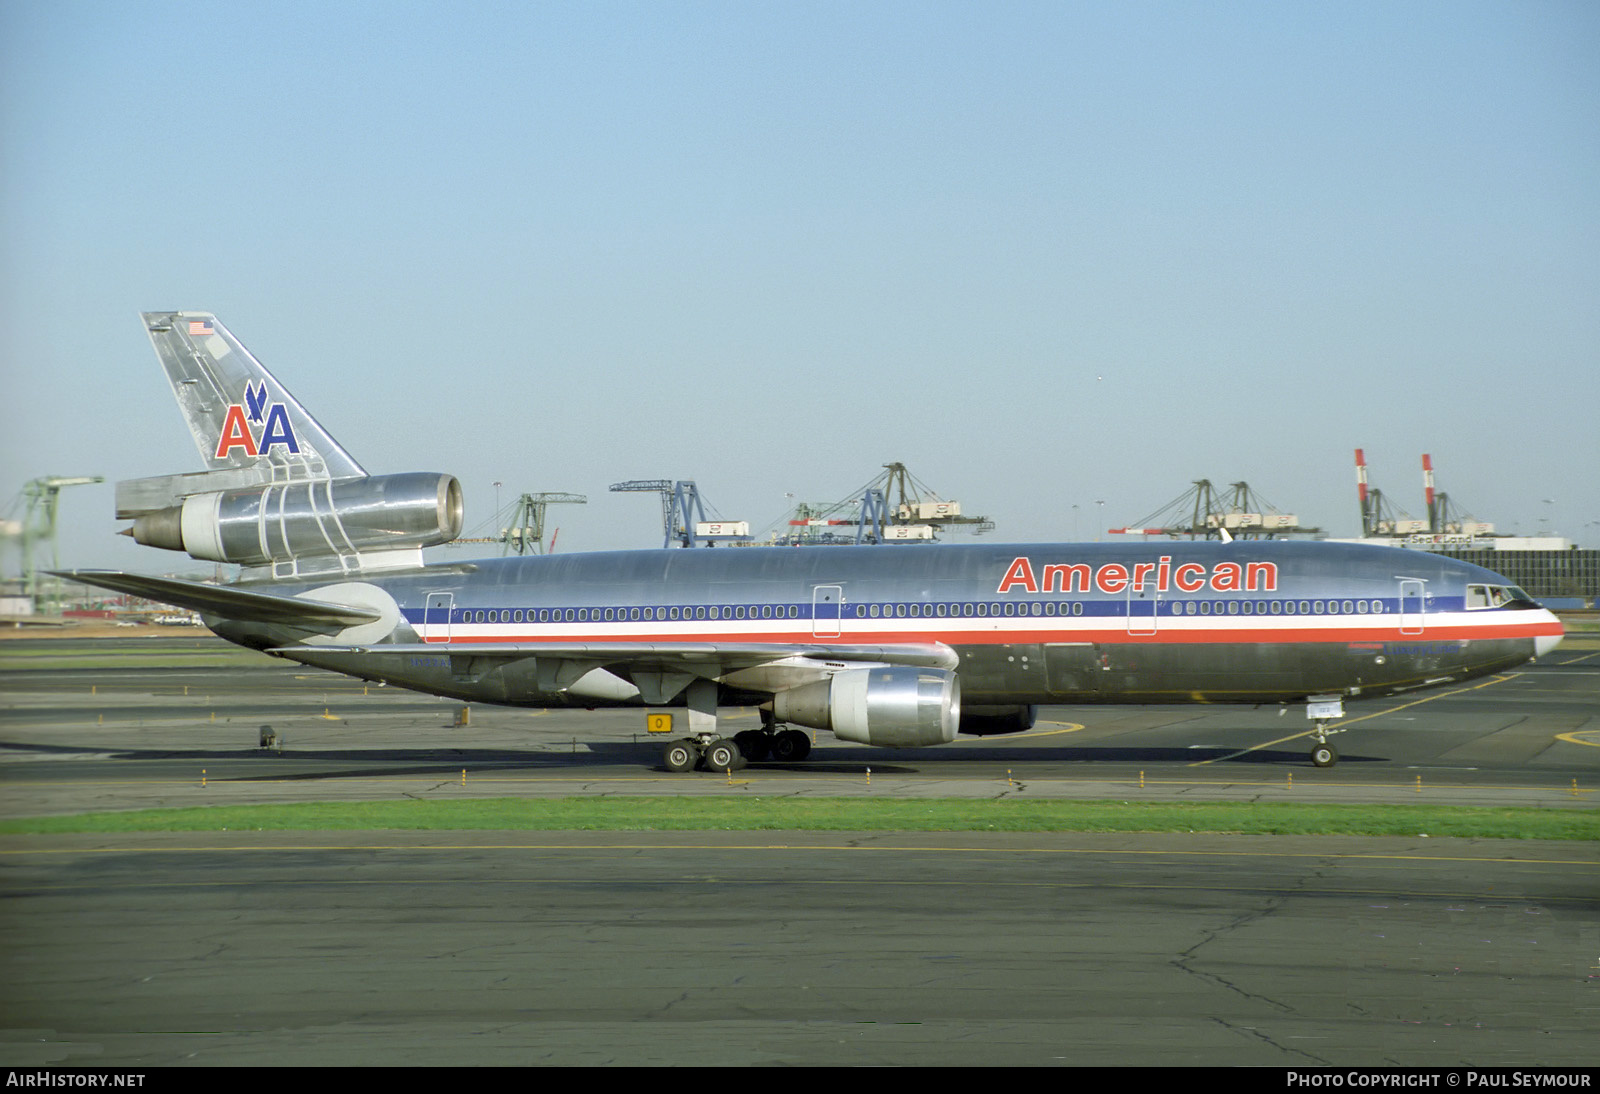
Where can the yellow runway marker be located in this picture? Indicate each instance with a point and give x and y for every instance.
(1065, 727)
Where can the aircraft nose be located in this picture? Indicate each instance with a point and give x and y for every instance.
(1544, 643)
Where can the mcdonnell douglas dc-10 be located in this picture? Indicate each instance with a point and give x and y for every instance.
(886, 646)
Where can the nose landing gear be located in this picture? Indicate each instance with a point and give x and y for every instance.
(1323, 709)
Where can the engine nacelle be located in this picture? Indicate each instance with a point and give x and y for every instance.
(892, 706)
(984, 721)
(260, 525)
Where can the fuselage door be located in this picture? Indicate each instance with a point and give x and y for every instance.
(1142, 604)
(1412, 596)
(1072, 669)
(825, 610)
(436, 617)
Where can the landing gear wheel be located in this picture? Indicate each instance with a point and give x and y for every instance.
(723, 755)
(755, 745)
(1324, 755)
(790, 746)
(680, 756)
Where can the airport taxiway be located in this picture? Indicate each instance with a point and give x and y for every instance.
(158, 725)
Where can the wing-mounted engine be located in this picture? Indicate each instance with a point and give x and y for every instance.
(890, 706)
(307, 526)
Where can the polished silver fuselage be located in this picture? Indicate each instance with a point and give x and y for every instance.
(1028, 623)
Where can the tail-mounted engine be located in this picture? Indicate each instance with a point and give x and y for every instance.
(338, 521)
(893, 706)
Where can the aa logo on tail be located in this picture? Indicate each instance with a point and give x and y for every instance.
(273, 418)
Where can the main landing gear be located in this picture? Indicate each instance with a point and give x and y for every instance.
(1323, 709)
(715, 753)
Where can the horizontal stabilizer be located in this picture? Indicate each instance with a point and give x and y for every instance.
(228, 601)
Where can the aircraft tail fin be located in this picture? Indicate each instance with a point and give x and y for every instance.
(242, 418)
(278, 494)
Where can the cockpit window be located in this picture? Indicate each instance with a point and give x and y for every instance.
(1520, 599)
(1498, 596)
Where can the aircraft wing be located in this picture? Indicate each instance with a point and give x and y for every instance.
(227, 600)
(660, 670)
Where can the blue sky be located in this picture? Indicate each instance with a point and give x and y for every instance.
(1044, 254)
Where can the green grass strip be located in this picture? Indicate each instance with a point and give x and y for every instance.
(836, 814)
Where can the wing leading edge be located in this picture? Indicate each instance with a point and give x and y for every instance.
(655, 672)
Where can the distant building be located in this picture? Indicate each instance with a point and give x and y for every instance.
(1543, 566)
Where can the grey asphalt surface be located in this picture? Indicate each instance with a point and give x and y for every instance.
(783, 948)
(775, 949)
